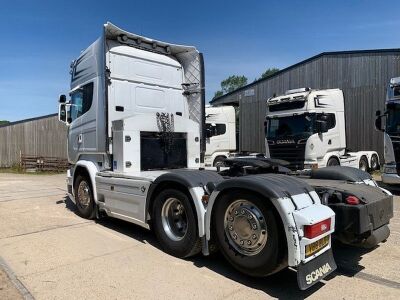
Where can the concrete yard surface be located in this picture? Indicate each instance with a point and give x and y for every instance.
(51, 253)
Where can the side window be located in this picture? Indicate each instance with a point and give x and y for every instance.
(215, 129)
(81, 101)
(331, 121)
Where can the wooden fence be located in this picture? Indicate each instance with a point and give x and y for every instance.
(40, 137)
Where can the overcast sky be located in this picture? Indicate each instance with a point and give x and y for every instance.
(40, 38)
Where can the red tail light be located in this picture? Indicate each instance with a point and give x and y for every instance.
(311, 231)
(352, 200)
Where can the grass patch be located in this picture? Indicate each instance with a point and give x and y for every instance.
(16, 169)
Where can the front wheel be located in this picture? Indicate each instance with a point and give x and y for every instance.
(219, 161)
(248, 235)
(333, 161)
(175, 224)
(84, 197)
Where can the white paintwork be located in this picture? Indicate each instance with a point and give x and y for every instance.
(223, 144)
(143, 82)
(130, 151)
(320, 147)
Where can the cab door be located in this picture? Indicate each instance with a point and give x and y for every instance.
(80, 120)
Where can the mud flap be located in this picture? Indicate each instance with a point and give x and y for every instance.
(312, 272)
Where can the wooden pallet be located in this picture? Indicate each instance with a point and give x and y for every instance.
(42, 163)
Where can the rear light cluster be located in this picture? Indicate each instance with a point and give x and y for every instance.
(312, 231)
(328, 197)
(352, 200)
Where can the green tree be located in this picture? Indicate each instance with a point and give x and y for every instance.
(218, 94)
(3, 122)
(269, 72)
(233, 83)
(230, 84)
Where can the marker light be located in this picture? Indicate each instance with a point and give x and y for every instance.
(311, 231)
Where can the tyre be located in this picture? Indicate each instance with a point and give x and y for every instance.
(219, 161)
(333, 161)
(374, 162)
(175, 224)
(84, 197)
(363, 164)
(247, 234)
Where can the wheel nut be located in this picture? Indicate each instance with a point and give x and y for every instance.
(254, 236)
(236, 212)
(254, 226)
(242, 211)
(248, 242)
(241, 242)
(231, 227)
(250, 217)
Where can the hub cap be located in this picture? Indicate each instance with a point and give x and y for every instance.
(84, 194)
(174, 219)
(245, 227)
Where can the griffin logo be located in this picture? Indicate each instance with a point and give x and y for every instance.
(318, 273)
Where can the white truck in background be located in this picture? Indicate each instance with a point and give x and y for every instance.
(220, 134)
(307, 128)
(391, 133)
(136, 137)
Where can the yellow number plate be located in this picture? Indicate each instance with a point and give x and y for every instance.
(316, 246)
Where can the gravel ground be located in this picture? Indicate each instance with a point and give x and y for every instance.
(57, 255)
(7, 288)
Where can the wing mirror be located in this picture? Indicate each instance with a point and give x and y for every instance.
(62, 113)
(378, 121)
(62, 99)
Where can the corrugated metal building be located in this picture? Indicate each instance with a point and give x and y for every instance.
(43, 136)
(362, 75)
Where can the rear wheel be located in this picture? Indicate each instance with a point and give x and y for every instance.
(84, 197)
(374, 162)
(175, 224)
(247, 232)
(363, 164)
(333, 161)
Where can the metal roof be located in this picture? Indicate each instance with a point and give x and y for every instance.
(377, 51)
(28, 120)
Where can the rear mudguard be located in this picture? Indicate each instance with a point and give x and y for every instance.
(296, 202)
(195, 182)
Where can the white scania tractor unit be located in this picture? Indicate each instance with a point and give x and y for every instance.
(307, 128)
(391, 133)
(221, 138)
(136, 140)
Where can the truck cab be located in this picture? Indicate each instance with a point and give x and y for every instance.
(220, 134)
(307, 128)
(391, 133)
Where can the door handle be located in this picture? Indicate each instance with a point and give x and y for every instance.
(80, 138)
(330, 142)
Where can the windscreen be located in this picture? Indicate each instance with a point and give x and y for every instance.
(393, 119)
(299, 126)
